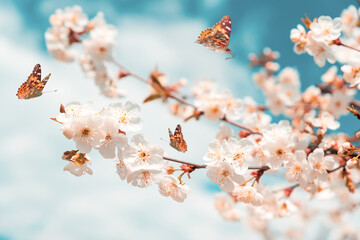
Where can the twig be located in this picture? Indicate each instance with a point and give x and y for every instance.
(263, 168)
(240, 126)
(347, 46)
(182, 100)
(184, 162)
(287, 188)
(335, 169)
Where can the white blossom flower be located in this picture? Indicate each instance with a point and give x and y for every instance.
(277, 144)
(112, 138)
(300, 38)
(224, 175)
(78, 170)
(171, 186)
(75, 110)
(237, 153)
(144, 177)
(297, 169)
(203, 87)
(86, 132)
(121, 167)
(101, 43)
(78, 164)
(214, 109)
(75, 19)
(351, 75)
(127, 116)
(350, 18)
(320, 164)
(233, 106)
(226, 208)
(248, 195)
(338, 103)
(142, 155)
(326, 29)
(215, 152)
(326, 120)
(225, 132)
(297, 34)
(321, 52)
(289, 76)
(330, 75)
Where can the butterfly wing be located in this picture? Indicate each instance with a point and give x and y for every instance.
(33, 86)
(222, 32)
(205, 35)
(224, 26)
(26, 89)
(176, 140)
(217, 38)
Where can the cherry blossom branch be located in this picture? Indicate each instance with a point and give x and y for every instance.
(339, 43)
(288, 188)
(240, 126)
(130, 73)
(337, 168)
(347, 46)
(184, 162)
(184, 101)
(262, 168)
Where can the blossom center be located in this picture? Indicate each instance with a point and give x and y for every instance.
(280, 152)
(215, 109)
(85, 132)
(239, 156)
(79, 159)
(102, 49)
(123, 119)
(143, 155)
(108, 137)
(318, 166)
(225, 173)
(326, 31)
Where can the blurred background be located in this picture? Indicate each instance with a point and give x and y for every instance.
(38, 200)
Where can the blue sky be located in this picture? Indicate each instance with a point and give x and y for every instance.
(40, 201)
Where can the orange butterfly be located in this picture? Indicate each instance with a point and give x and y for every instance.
(33, 86)
(217, 38)
(176, 140)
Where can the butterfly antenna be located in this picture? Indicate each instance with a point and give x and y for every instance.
(239, 43)
(49, 91)
(232, 56)
(164, 140)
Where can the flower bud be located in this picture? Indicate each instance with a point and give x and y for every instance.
(346, 149)
(170, 170)
(352, 163)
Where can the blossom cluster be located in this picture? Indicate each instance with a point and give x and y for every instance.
(139, 162)
(332, 40)
(283, 95)
(301, 151)
(316, 42)
(216, 104)
(70, 27)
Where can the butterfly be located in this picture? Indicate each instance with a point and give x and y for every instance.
(217, 38)
(176, 140)
(33, 86)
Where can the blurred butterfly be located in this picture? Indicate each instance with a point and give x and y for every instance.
(33, 86)
(176, 140)
(217, 38)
